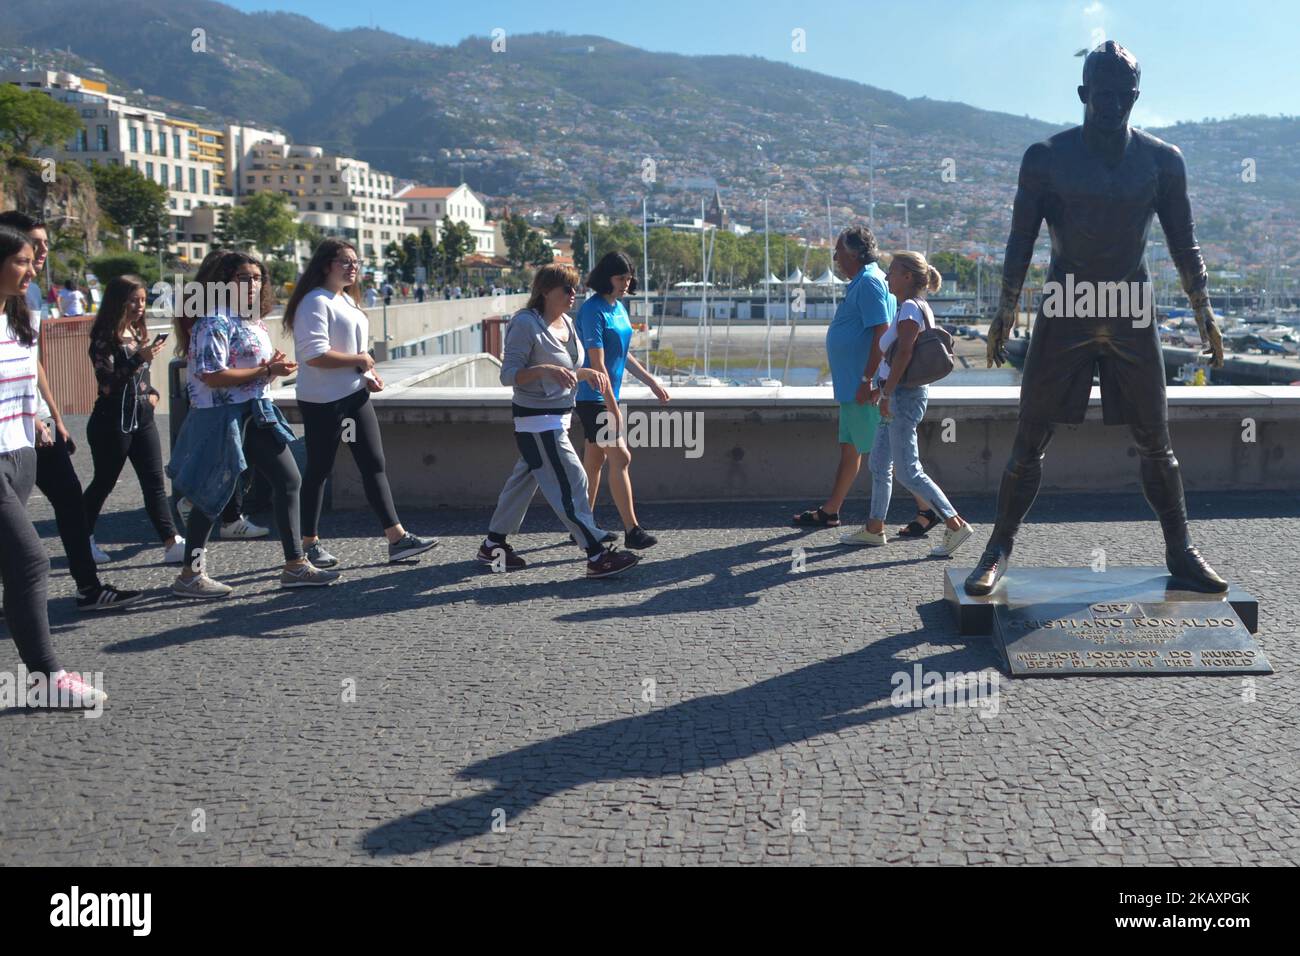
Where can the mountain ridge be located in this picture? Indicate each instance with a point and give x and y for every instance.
(570, 118)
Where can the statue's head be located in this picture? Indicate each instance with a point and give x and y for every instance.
(1110, 86)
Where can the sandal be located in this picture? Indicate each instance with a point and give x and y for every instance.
(817, 519)
(914, 529)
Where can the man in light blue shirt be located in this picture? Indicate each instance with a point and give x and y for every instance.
(853, 352)
(35, 300)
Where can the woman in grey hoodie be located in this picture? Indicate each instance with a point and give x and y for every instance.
(542, 361)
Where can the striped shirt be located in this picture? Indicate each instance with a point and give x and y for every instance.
(17, 390)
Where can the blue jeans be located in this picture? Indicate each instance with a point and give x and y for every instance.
(896, 444)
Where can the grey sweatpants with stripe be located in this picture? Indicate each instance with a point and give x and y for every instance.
(547, 459)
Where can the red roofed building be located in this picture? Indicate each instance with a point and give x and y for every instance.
(426, 206)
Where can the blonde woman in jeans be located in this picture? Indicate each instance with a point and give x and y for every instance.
(902, 408)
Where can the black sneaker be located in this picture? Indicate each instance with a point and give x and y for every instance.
(319, 557)
(408, 546)
(638, 538)
(489, 552)
(105, 597)
(610, 562)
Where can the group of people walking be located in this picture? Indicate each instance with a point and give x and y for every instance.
(231, 423)
(870, 344)
(556, 362)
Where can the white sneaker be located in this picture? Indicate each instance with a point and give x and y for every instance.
(200, 586)
(71, 691)
(864, 537)
(174, 553)
(98, 553)
(953, 538)
(243, 528)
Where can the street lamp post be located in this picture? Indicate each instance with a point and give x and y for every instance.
(907, 219)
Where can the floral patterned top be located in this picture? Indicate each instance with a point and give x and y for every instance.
(219, 342)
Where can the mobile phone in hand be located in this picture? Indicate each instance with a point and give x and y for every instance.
(162, 337)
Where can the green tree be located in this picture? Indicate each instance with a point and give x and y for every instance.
(410, 257)
(579, 242)
(557, 226)
(110, 266)
(30, 120)
(266, 220)
(282, 271)
(623, 236)
(951, 263)
(394, 260)
(312, 235)
(456, 243)
(524, 247)
(135, 204)
(429, 254)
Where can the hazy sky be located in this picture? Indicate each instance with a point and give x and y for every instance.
(1199, 59)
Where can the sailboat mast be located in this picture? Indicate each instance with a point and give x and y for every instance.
(767, 270)
(645, 278)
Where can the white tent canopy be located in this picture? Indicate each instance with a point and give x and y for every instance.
(828, 278)
(772, 280)
(796, 278)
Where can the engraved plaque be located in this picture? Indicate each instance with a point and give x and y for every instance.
(1126, 637)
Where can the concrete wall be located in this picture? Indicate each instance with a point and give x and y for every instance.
(448, 446)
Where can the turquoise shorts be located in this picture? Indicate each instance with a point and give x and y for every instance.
(858, 425)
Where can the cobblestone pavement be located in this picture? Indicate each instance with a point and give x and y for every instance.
(525, 701)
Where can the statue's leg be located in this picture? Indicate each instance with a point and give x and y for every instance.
(1020, 482)
(1162, 483)
(1021, 479)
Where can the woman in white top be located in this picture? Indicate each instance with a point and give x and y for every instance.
(336, 374)
(71, 301)
(24, 565)
(902, 408)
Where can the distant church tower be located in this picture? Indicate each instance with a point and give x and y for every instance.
(717, 213)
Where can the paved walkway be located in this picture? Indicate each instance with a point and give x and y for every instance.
(525, 700)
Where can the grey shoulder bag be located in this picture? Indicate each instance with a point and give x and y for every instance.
(931, 353)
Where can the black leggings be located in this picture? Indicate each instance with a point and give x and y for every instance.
(58, 481)
(323, 423)
(24, 565)
(264, 451)
(111, 449)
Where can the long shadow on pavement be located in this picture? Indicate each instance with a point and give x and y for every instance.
(823, 698)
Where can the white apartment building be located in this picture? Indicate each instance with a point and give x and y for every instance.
(197, 164)
(338, 194)
(426, 206)
(240, 141)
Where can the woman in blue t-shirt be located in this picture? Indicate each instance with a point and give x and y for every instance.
(606, 334)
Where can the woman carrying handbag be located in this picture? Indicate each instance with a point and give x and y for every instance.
(917, 353)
